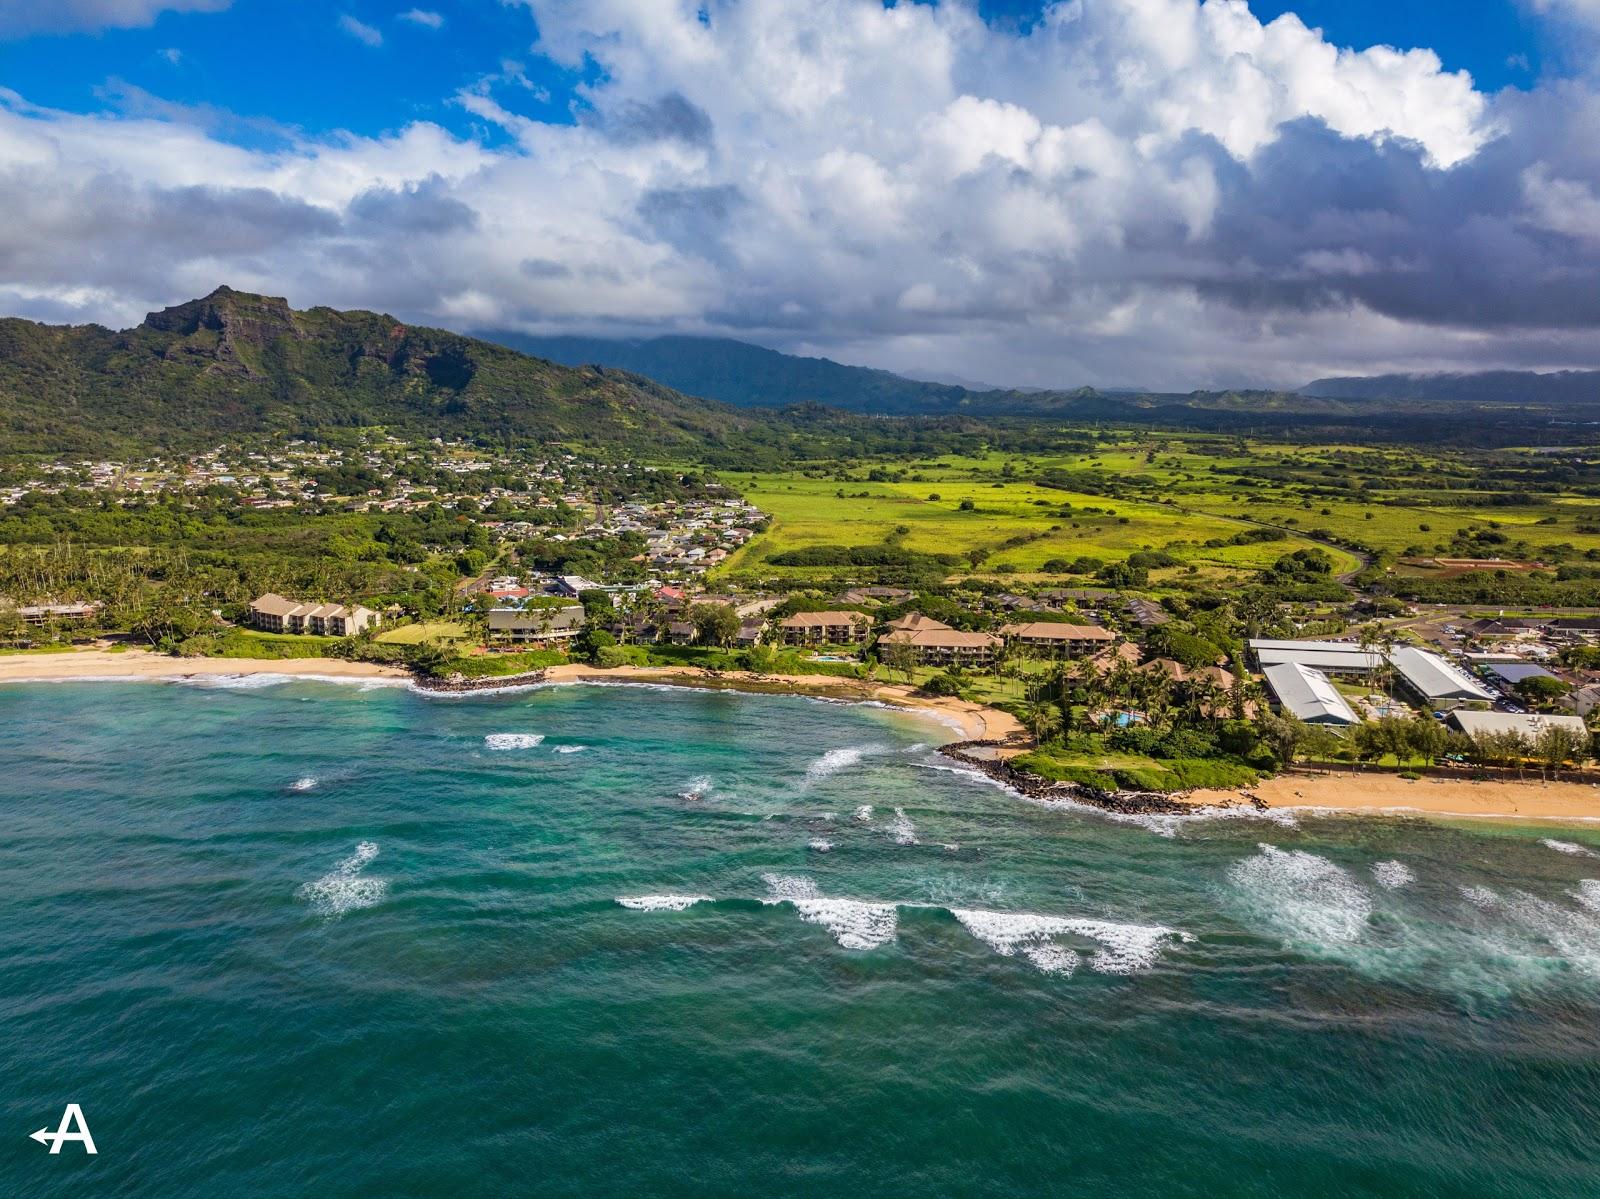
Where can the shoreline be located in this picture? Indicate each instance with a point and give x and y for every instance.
(1532, 801)
(966, 721)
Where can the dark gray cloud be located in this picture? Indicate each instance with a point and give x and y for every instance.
(668, 118)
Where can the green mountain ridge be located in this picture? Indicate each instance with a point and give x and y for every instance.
(234, 363)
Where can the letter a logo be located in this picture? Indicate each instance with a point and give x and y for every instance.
(71, 1119)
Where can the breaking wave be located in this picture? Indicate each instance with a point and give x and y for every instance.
(854, 923)
(864, 813)
(1393, 875)
(1306, 897)
(835, 760)
(901, 828)
(306, 783)
(512, 740)
(569, 749)
(1570, 848)
(1123, 948)
(820, 844)
(661, 903)
(696, 788)
(344, 888)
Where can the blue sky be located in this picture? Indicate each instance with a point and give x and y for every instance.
(1174, 192)
(292, 62)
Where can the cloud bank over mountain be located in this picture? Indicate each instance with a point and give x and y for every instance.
(1164, 192)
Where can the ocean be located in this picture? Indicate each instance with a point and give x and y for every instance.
(283, 938)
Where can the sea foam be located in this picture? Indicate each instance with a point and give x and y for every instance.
(1123, 948)
(1393, 875)
(835, 760)
(344, 888)
(661, 903)
(854, 923)
(1305, 896)
(1570, 848)
(901, 828)
(308, 783)
(512, 740)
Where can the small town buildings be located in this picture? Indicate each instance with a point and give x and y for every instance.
(946, 646)
(272, 613)
(824, 628)
(521, 625)
(1060, 639)
(1585, 699)
(1509, 674)
(1308, 694)
(1146, 613)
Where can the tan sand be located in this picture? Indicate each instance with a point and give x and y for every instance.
(1359, 792)
(141, 664)
(976, 722)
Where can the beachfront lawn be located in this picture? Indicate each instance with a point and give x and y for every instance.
(445, 632)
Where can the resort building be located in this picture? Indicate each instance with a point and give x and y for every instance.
(1330, 657)
(946, 646)
(1070, 640)
(1437, 682)
(538, 624)
(274, 614)
(1308, 695)
(1478, 724)
(41, 614)
(824, 628)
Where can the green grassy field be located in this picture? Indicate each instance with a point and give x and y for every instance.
(1168, 492)
(443, 631)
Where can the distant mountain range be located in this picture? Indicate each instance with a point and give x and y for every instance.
(750, 376)
(1502, 406)
(1578, 389)
(235, 363)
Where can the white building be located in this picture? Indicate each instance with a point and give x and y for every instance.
(1307, 694)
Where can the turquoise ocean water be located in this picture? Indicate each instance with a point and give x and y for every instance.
(305, 938)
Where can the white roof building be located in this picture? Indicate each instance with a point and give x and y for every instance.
(1307, 694)
(1476, 724)
(1334, 657)
(1435, 679)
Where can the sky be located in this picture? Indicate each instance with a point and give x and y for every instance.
(1155, 193)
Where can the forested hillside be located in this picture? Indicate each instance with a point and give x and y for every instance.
(234, 363)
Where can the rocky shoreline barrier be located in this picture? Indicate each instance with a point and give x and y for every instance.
(455, 684)
(1128, 803)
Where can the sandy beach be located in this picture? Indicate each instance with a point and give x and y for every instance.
(1531, 800)
(974, 721)
(141, 664)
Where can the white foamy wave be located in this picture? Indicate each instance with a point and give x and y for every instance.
(1480, 897)
(569, 749)
(1123, 948)
(1305, 896)
(835, 760)
(1393, 875)
(864, 813)
(1588, 893)
(303, 784)
(696, 788)
(661, 903)
(854, 923)
(344, 889)
(236, 682)
(1570, 848)
(785, 887)
(820, 844)
(512, 740)
(901, 828)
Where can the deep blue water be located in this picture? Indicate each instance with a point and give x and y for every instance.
(308, 938)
